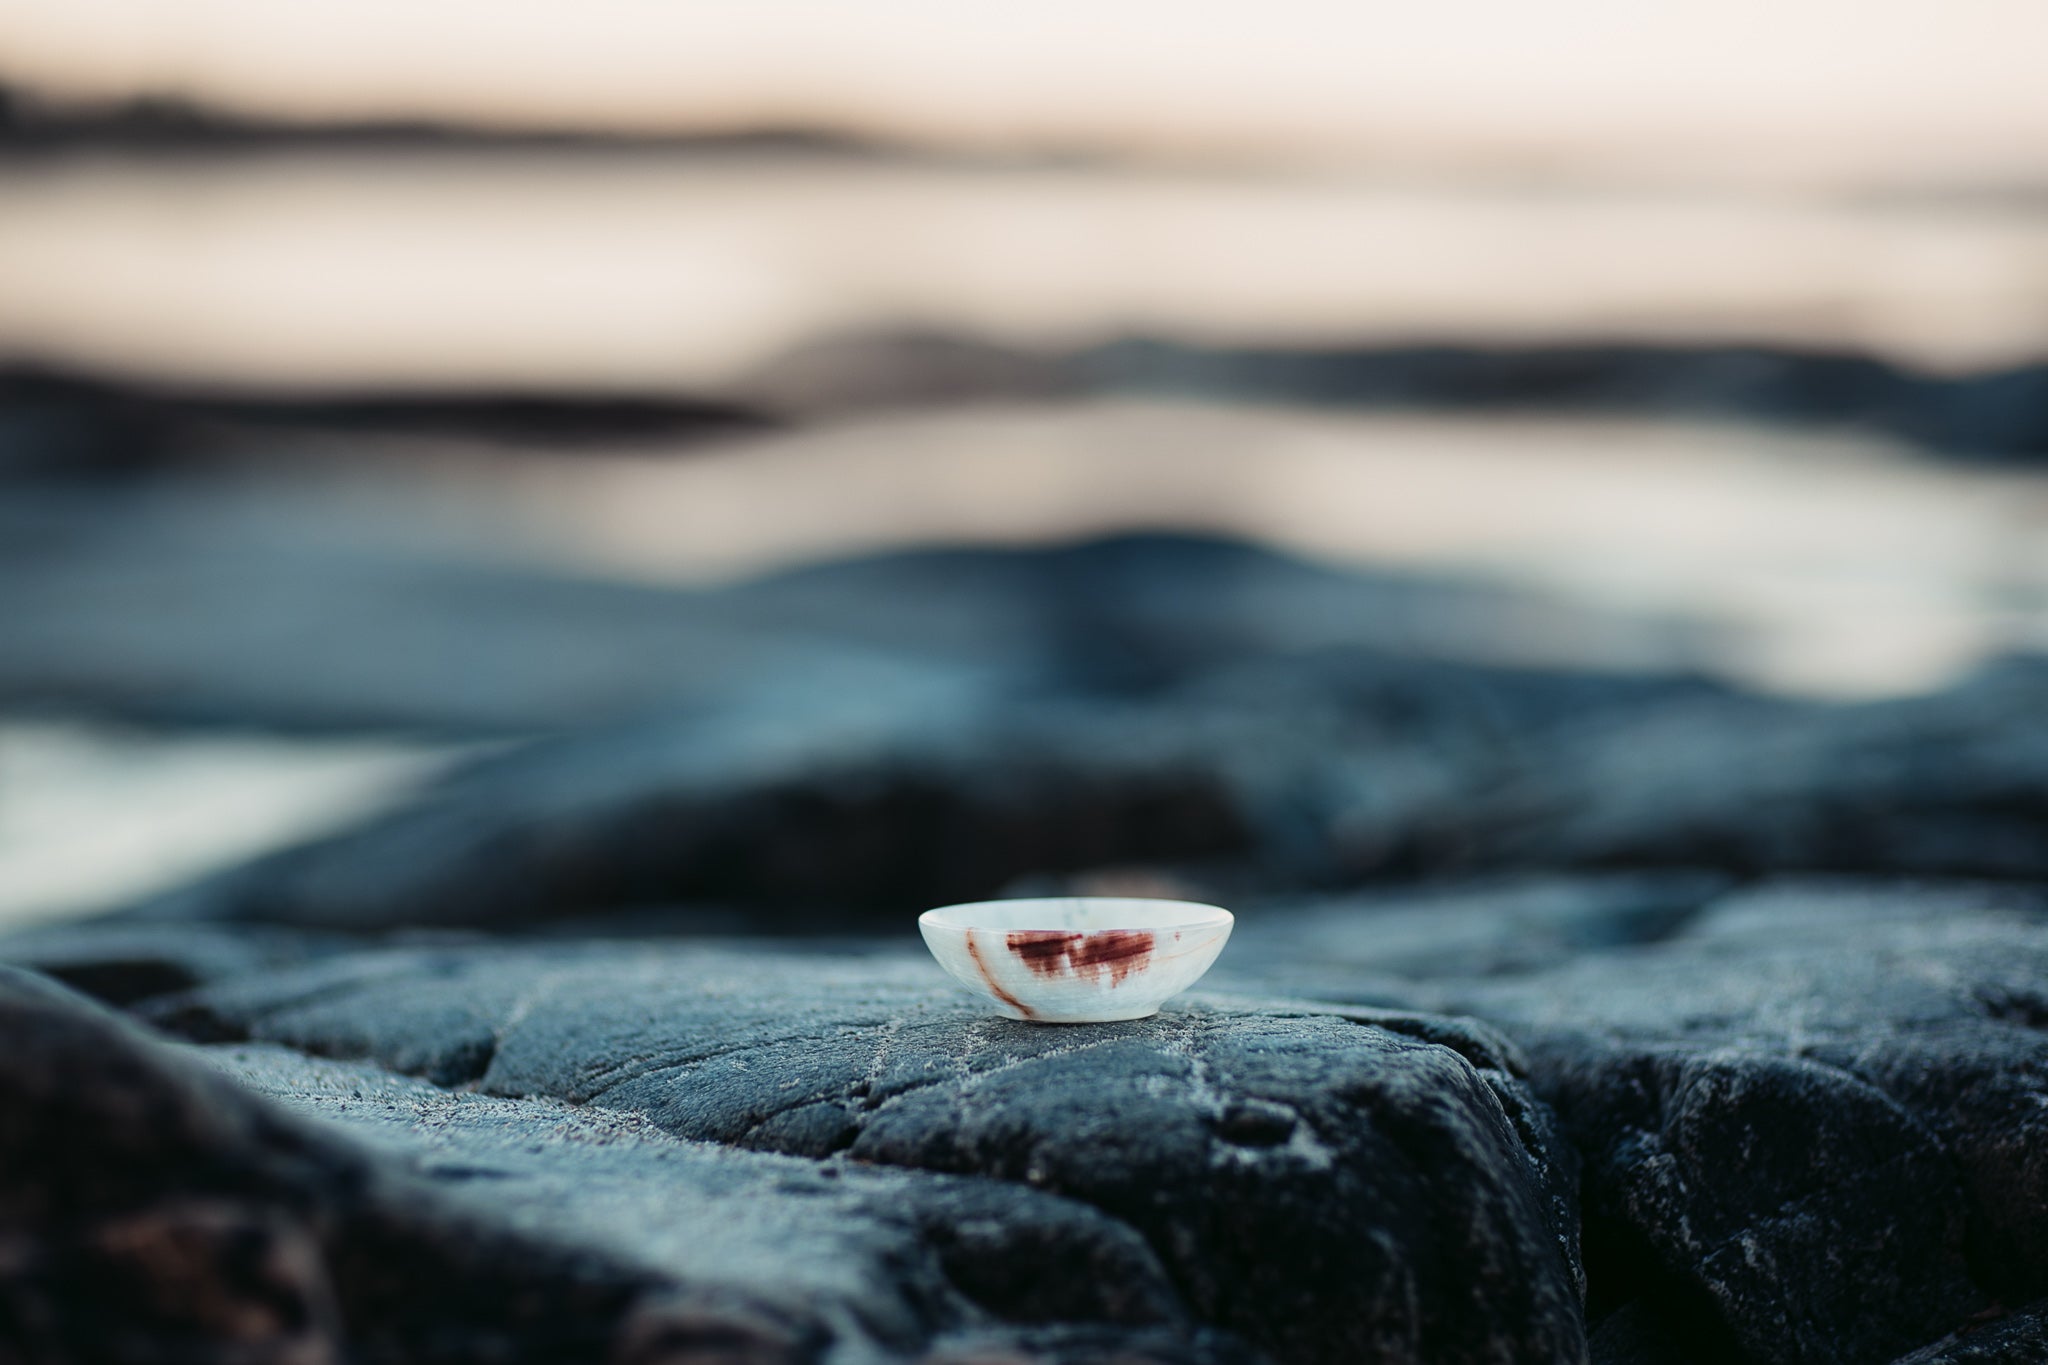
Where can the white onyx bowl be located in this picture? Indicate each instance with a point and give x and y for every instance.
(1076, 959)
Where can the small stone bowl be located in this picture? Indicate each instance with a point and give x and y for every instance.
(1076, 959)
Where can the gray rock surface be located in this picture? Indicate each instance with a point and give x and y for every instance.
(1808, 1111)
(1814, 1116)
(1326, 1187)
(876, 1264)
(150, 1210)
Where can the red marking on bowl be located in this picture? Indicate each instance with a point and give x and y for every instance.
(1057, 952)
(974, 951)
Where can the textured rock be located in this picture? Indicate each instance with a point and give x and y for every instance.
(1809, 1114)
(857, 1263)
(1815, 1115)
(152, 1211)
(1327, 1188)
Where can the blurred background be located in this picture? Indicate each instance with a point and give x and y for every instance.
(388, 391)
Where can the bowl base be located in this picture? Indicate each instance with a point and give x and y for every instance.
(1092, 1017)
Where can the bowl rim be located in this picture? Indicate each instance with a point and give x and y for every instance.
(1200, 915)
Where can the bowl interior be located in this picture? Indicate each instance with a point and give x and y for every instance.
(1085, 914)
